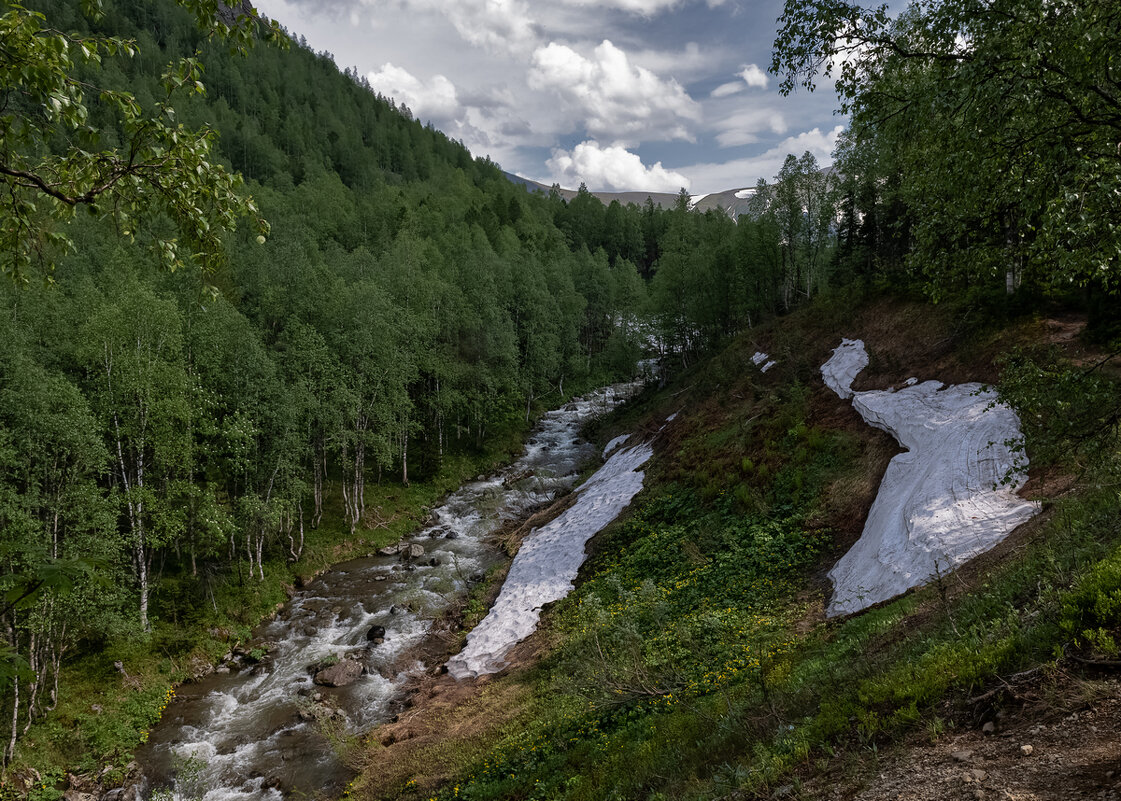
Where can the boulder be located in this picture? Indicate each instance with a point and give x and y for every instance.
(388, 550)
(376, 633)
(415, 551)
(344, 673)
(451, 535)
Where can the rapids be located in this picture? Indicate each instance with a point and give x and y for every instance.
(251, 733)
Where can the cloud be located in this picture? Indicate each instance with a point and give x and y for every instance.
(497, 25)
(645, 8)
(742, 127)
(493, 24)
(753, 76)
(715, 177)
(619, 100)
(435, 100)
(750, 76)
(725, 89)
(611, 168)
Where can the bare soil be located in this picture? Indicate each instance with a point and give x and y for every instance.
(1058, 740)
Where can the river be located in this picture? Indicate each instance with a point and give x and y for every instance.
(255, 732)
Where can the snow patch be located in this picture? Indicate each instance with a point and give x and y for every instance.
(615, 443)
(744, 194)
(848, 359)
(548, 561)
(759, 358)
(942, 502)
(695, 199)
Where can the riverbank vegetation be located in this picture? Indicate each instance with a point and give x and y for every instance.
(192, 422)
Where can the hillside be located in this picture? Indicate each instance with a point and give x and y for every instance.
(694, 659)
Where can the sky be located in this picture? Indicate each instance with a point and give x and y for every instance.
(645, 95)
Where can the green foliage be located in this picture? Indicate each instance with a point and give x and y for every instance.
(983, 140)
(164, 171)
(1092, 611)
(1069, 414)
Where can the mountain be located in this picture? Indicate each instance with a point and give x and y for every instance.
(732, 201)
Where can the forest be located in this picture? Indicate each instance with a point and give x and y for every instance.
(214, 372)
(202, 410)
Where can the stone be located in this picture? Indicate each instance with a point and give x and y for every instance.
(451, 535)
(308, 631)
(223, 670)
(961, 756)
(988, 728)
(83, 783)
(381, 578)
(388, 550)
(376, 633)
(415, 551)
(979, 775)
(1026, 750)
(346, 672)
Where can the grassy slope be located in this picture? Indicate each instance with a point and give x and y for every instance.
(694, 661)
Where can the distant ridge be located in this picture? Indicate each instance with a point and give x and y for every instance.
(733, 201)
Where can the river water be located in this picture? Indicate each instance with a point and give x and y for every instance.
(252, 733)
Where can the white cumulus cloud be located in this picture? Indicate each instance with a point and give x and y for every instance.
(753, 76)
(611, 168)
(617, 98)
(499, 25)
(434, 100)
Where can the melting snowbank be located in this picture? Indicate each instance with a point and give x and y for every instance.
(843, 366)
(548, 561)
(941, 503)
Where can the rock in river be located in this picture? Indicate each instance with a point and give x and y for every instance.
(345, 672)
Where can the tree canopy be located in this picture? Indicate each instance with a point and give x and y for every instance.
(994, 122)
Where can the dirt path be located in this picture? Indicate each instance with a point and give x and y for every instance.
(1063, 744)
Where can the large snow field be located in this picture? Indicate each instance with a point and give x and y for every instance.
(949, 498)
